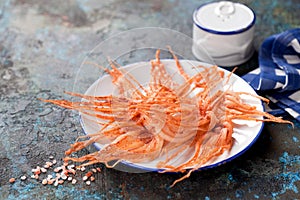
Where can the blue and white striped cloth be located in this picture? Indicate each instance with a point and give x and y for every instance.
(278, 75)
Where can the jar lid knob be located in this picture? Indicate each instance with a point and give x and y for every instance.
(224, 9)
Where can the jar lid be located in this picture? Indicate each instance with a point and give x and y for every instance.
(224, 17)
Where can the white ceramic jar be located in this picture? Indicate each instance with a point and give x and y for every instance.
(223, 33)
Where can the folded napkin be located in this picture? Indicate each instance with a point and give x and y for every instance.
(278, 75)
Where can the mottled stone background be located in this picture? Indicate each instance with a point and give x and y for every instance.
(42, 46)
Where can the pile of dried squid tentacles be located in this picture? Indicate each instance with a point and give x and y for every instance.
(164, 117)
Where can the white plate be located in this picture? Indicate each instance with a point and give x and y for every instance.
(245, 132)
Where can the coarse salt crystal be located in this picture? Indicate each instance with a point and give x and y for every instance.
(37, 172)
(12, 180)
(57, 169)
(71, 166)
(82, 169)
(74, 181)
(50, 182)
(43, 170)
(45, 181)
(63, 176)
(73, 171)
(84, 178)
(57, 175)
(89, 174)
(56, 183)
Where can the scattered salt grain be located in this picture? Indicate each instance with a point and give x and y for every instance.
(71, 166)
(12, 180)
(37, 170)
(74, 181)
(58, 175)
(62, 173)
(72, 171)
(49, 164)
(44, 181)
(50, 182)
(57, 169)
(82, 169)
(63, 176)
(89, 174)
(56, 183)
(84, 178)
(43, 170)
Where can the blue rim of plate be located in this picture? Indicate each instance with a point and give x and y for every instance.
(209, 166)
(223, 32)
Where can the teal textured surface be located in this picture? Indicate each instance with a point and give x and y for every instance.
(42, 45)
